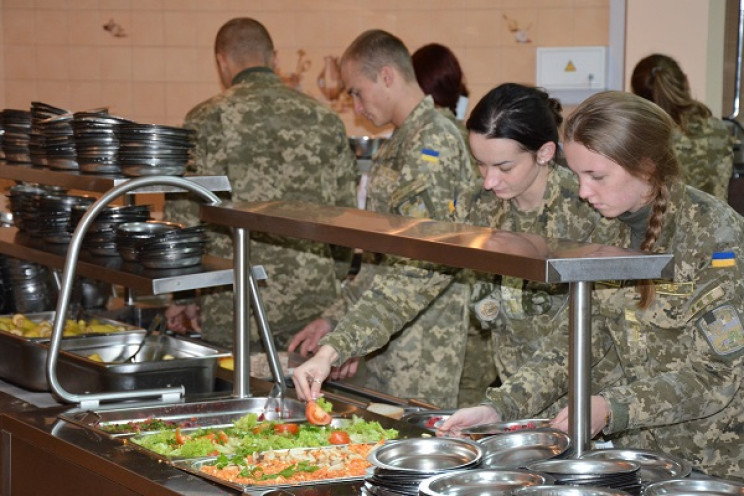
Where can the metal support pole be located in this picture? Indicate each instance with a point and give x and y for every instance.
(580, 363)
(242, 330)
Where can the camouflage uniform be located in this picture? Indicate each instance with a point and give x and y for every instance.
(273, 143)
(706, 156)
(521, 315)
(683, 357)
(412, 321)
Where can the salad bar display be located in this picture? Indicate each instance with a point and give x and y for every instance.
(253, 442)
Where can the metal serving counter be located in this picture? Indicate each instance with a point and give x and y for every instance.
(521, 255)
(44, 454)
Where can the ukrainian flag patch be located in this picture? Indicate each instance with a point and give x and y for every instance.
(429, 155)
(723, 259)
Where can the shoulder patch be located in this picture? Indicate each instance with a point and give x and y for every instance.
(429, 155)
(723, 330)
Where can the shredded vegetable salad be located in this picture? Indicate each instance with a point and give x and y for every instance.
(293, 466)
(249, 435)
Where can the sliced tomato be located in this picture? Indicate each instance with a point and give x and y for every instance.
(181, 438)
(286, 428)
(222, 437)
(316, 415)
(339, 437)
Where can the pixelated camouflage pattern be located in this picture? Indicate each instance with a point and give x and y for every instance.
(273, 143)
(524, 312)
(706, 156)
(412, 322)
(682, 389)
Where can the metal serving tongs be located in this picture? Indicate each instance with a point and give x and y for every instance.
(158, 324)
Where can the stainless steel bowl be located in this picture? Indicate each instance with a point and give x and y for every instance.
(567, 491)
(694, 486)
(365, 147)
(427, 455)
(515, 450)
(480, 482)
(655, 466)
(427, 419)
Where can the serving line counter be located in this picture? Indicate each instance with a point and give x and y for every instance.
(45, 454)
(519, 255)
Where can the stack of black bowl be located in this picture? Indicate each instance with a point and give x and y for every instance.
(130, 236)
(614, 474)
(51, 142)
(54, 216)
(30, 284)
(23, 204)
(174, 249)
(152, 149)
(100, 239)
(17, 125)
(96, 142)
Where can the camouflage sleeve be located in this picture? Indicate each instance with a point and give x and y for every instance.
(711, 356)
(345, 172)
(182, 207)
(351, 292)
(391, 302)
(544, 379)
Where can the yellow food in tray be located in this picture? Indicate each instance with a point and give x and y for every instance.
(21, 325)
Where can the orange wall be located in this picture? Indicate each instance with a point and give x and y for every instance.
(57, 51)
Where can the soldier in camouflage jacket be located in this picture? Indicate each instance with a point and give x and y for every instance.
(412, 321)
(703, 144)
(273, 143)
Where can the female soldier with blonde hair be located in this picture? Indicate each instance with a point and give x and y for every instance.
(680, 343)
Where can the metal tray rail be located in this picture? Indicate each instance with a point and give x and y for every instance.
(201, 414)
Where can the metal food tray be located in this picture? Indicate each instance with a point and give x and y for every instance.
(217, 413)
(193, 366)
(194, 467)
(23, 359)
(39, 317)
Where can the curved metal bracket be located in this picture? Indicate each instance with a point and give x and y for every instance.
(92, 399)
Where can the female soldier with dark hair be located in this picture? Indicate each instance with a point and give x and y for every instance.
(680, 343)
(439, 74)
(703, 144)
(514, 139)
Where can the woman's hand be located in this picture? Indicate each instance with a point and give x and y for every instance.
(307, 339)
(310, 375)
(600, 413)
(467, 417)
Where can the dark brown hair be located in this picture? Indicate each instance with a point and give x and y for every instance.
(439, 74)
(242, 38)
(660, 79)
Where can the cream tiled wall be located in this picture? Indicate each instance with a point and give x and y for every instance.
(58, 52)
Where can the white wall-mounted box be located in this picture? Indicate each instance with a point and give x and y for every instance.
(572, 68)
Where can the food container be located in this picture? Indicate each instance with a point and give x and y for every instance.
(514, 450)
(482, 430)
(217, 413)
(23, 358)
(428, 419)
(23, 362)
